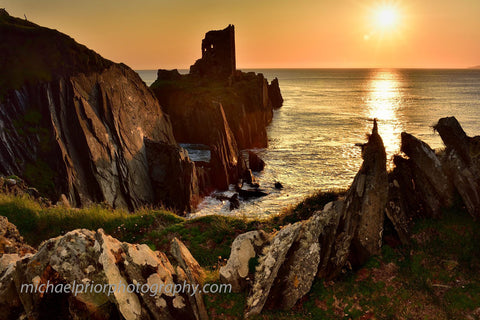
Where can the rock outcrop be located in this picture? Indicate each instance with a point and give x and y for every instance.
(347, 230)
(425, 183)
(255, 162)
(220, 107)
(274, 94)
(107, 279)
(74, 123)
(462, 162)
(366, 200)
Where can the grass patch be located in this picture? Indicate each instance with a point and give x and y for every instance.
(37, 223)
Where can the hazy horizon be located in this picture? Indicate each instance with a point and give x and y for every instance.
(271, 34)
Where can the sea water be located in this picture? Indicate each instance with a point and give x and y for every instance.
(327, 111)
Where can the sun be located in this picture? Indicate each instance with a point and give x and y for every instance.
(387, 17)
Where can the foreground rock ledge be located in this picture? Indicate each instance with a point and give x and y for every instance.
(83, 256)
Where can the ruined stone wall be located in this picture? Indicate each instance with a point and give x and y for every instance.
(218, 54)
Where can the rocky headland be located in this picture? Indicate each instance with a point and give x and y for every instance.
(78, 127)
(219, 106)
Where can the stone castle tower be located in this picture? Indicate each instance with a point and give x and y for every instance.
(218, 54)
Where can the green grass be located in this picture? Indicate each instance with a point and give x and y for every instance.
(37, 223)
(436, 276)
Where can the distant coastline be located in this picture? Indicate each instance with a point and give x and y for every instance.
(475, 67)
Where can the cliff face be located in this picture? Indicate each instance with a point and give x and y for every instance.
(246, 102)
(81, 131)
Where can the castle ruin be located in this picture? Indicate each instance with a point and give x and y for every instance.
(218, 54)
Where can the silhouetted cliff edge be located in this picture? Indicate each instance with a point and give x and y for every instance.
(77, 124)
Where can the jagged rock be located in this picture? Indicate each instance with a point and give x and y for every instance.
(269, 264)
(244, 247)
(295, 255)
(274, 94)
(83, 257)
(173, 175)
(366, 199)
(194, 275)
(278, 185)
(402, 206)
(87, 118)
(301, 265)
(432, 186)
(227, 163)
(249, 177)
(462, 162)
(315, 249)
(255, 162)
(349, 229)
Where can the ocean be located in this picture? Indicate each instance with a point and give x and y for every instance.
(327, 111)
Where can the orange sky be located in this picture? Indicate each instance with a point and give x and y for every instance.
(150, 34)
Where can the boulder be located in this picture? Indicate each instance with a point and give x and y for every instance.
(269, 264)
(245, 247)
(278, 185)
(283, 276)
(124, 281)
(255, 162)
(234, 202)
(301, 265)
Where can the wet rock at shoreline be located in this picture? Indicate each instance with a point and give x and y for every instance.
(255, 162)
(275, 94)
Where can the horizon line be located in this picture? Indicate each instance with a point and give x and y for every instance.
(327, 68)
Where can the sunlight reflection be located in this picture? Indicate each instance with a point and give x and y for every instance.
(383, 102)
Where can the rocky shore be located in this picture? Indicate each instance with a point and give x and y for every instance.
(343, 235)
